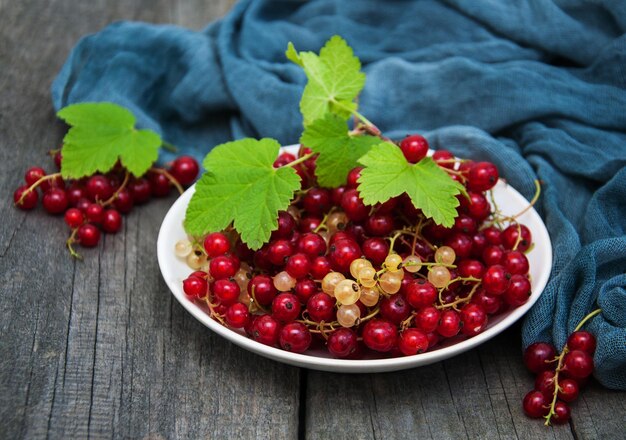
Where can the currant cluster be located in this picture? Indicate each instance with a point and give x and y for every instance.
(559, 377)
(362, 280)
(96, 203)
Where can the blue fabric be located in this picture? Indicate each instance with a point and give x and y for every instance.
(536, 86)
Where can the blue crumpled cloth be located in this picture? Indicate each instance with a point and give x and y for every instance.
(537, 86)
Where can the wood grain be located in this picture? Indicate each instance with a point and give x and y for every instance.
(99, 349)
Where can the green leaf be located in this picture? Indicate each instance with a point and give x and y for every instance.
(334, 80)
(102, 133)
(338, 150)
(387, 174)
(241, 186)
(292, 54)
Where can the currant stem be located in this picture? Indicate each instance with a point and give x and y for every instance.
(70, 241)
(368, 125)
(587, 318)
(212, 311)
(169, 146)
(458, 300)
(532, 201)
(299, 160)
(35, 185)
(118, 191)
(256, 303)
(557, 388)
(559, 366)
(171, 178)
(322, 224)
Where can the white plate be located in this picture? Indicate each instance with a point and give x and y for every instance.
(174, 270)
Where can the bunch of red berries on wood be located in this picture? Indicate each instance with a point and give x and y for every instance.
(559, 377)
(95, 204)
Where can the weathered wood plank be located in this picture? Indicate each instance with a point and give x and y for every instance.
(99, 348)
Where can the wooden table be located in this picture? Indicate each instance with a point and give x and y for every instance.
(100, 348)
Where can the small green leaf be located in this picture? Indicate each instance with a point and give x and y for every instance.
(338, 150)
(387, 174)
(334, 80)
(102, 133)
(292, 54)
(241, 186)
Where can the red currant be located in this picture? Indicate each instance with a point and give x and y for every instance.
(511, 235)
(539, 357)
(380, 335)
(159, 184)
(342, 253)
(544, 382)
(449, 324)
(353, 205)
(321, 307)
(112, 221)
(496, 280)
(414, 148)
(224, 266)
(99, 188)
(470, 268)
(394, 308)
(379, 225)
(295, 337)
(237, 315)
(312, 244)
(412, 341)
(342, 343)
(285, 307)
(226, 292)
(304, 289)
(536, 405)
(298, 265)
(88, 235)
(185, 169)
(473, 319)
(578, 364)
(29, 201)
(376, 250)
(55, 201)
(316, 201)
(562, 413)
(582, 340)
(320, 267)
(195, 287)
(515, 262)
(123, 202)
(482, 176)
(95, 213)
(216, 244)
(265, 329)
(444, 158)
(139, 190)
(420, 293)
(427, 319)
(262, 288)
(33, 174)
(353, 177)
(518, 291)
(74, 218)
(568, 390)
(278, 252)
(286, 226)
